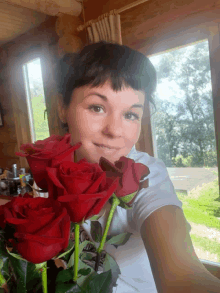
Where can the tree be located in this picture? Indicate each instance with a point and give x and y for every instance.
(185, 123)
(37, 88)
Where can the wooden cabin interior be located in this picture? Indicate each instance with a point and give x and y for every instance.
(48, 29)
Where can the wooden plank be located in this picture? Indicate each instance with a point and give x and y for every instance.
(18, 98)
(8, 135)
(7, 197)
(145, 142)
(50, 89)
(13, 95)
(149, 23)
(7, 162)
(212, 267)
(8, 149)
(34, 37)
(158, 12)
(4, 201)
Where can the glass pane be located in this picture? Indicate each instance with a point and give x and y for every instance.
(184, 138)
(36, 100)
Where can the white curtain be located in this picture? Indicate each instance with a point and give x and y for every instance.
(106, 28)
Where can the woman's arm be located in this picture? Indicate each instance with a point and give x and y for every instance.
(175, 266)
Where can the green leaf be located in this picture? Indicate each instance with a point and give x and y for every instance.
(33, 276)
(86, 256)
(111, 264)
(120, 239)
(84, 244)
(71, 261)
(100, 283)
(67, 288)
(71, 226)
(82, 280)
(39, 266)
(65, 276)
(66, 252)
(4, 261)
(2, 279)
(81, 247)
(124, 206)
(15, 255)
(96, 231)
(94, 218)
(20, 270)
(84, 272)
(128, 198)
(27, 274)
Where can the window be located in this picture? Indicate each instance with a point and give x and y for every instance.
(35, 99)
(184, 138)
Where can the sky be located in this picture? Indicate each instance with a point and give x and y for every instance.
(166, 89)
(34, 68)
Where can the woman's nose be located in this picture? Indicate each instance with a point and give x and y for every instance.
(113, 126)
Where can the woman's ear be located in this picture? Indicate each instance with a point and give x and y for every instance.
(61, 109)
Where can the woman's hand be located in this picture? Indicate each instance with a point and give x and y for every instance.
(175, 265)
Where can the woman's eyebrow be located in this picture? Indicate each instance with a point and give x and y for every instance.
(138, 106)
(104, 98)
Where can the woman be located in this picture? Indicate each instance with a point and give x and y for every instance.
(104, 91)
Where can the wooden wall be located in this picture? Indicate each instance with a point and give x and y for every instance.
(8, 139)
(16, 130)
(156, 26)
(150, 27)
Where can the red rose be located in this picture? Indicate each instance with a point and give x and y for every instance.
(82, 188)
(41, 225)
(46, 153)
(129, 174)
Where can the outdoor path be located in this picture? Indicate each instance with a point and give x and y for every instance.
(206, 255)
(203, 231)
(212, 234)
(189, 178)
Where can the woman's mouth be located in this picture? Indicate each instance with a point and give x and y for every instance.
(106, 149)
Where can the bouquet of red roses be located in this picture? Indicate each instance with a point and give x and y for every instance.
(37, 252)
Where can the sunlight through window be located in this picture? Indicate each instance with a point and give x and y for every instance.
(184, 138)
(35, 100)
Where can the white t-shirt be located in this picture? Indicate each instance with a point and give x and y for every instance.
(136, 274)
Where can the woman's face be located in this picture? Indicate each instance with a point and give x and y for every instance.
(107, 123)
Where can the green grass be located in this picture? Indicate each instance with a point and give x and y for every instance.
(202, 206)
(206, 244)
(40, 125)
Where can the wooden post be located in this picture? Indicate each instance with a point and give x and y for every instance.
(19, 105)
(145, 142)
(50, 89)
(214, 48)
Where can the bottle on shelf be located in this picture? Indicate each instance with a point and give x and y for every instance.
(14, 171)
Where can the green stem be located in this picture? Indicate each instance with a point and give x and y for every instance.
(44, 277)
(115, 203)
(76, 252)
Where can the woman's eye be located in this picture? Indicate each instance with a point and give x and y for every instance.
(95, 108)
(132, 116)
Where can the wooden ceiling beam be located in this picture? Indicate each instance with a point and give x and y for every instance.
(50, 7)
(155, 21)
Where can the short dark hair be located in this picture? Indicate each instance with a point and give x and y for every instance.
(96, 63)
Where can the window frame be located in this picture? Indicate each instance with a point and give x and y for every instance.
(166, 42)
(211, 32)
